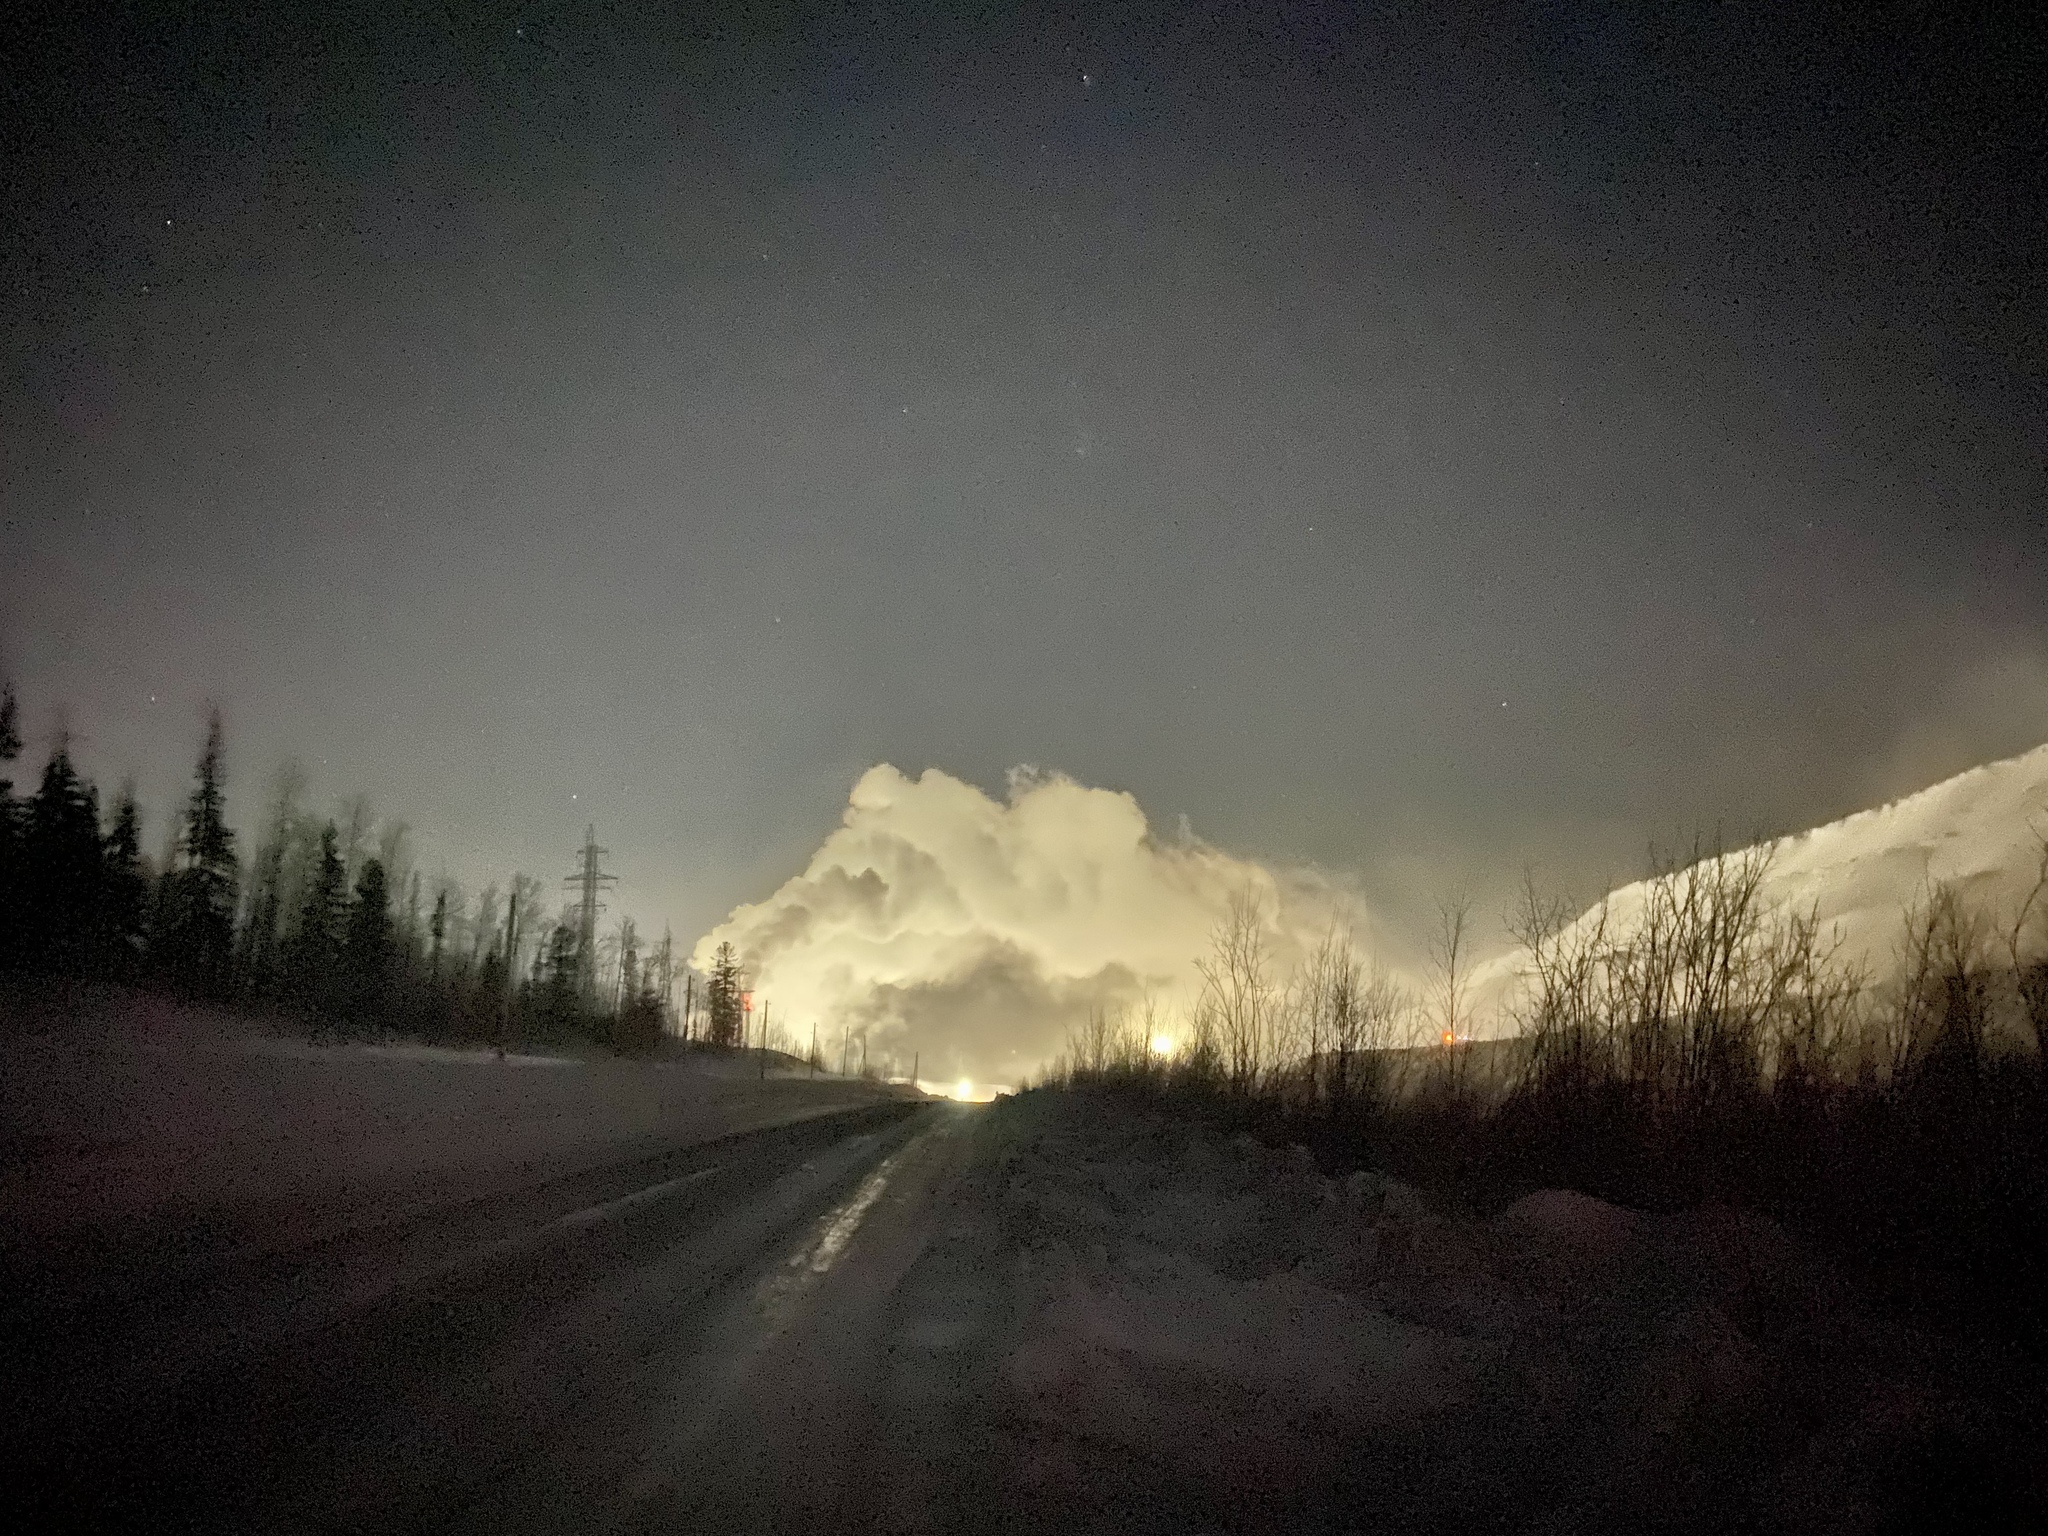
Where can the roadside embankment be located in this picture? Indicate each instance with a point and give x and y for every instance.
(1216, 1329)
(127, 1121)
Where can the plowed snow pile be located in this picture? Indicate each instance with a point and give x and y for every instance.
(1214, 1332)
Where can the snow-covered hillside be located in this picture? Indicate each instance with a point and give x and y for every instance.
(1980, 833)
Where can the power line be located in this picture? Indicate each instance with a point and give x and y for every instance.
(589, 881)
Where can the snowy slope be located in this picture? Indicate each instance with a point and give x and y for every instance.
(1979, 832)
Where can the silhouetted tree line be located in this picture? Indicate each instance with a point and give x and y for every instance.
(321, 922)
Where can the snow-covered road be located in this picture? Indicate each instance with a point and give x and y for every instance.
(575, 1355)
(126, 1119)
(1049, 1314)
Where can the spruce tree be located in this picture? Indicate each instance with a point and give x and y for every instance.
(559, 992)
(316, 939)
(723, 996)
(366, 948)
(437, 930)
(124, 890)
(61, 871)
(10, 731)
(638, 1028)
(488, 1001)
(10, 832)
(198, 940)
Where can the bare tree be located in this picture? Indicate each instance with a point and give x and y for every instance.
(354, 822)
(2030, 958)
(524, 936)
(269, 891)
(1314, 994)
(1450, 959)
(1689, 1008)
(1817, 1010)
(483, 927)
(413, 933)
(1236, 1006)
(441, 927)
(1349, 1015)
(1568, 1032)
(1088, 1043)
(1943, 1010)
(394, 852)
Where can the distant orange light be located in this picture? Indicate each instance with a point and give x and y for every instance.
(1449, 1038)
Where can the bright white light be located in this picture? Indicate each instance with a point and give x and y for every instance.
(963, 1090)
(1162, 1045)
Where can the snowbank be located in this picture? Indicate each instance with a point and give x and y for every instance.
(1222, 1314)
(125, 1118)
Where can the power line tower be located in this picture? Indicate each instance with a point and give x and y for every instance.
(589, 881)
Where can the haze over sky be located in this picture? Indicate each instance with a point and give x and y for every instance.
(1417, 439)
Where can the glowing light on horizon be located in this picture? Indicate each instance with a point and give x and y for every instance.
(935, 900)
(1162, 1045)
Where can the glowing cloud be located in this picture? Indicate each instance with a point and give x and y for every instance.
(973, 931)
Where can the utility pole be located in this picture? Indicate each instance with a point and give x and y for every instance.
(915, 1058)
(814, 1048)
(764, 1042)
(589, 881)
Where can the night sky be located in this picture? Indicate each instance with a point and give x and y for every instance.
(1422, 440)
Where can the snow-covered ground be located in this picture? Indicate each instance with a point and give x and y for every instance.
(123, 1116)
(1215, 1328)
(1980, 833)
